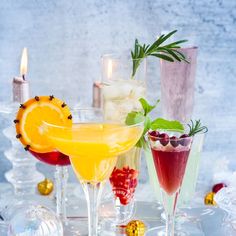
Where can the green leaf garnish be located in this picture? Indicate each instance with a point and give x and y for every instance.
(147, 108)
(196, 127)
(166, 52)
(162, 124)
(135, 117)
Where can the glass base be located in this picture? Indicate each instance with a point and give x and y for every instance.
(187, 230)
(116, 214)
(76, 226)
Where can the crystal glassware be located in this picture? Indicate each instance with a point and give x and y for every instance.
(124, 180)
(61, 162)
(93, 146)
(170, 160)
(191, 174)
(177, 86)
(29, 218)
(24, 182)
(121, 91)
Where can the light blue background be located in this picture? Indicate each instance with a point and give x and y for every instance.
(65, 40)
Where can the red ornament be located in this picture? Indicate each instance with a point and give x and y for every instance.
(218, 187)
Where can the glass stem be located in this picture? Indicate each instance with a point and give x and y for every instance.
(170, 222)
(169, 203)
(61, 177)
(93, 196)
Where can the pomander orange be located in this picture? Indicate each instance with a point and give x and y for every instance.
(30, 118)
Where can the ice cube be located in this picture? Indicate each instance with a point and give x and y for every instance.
(111, 111)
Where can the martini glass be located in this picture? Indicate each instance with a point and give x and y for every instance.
(93, 146)
(170, 160)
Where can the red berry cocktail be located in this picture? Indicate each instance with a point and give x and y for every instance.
(170, 156)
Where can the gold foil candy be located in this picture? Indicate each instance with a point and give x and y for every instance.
(135, 228)
(209, 199)
(45, 187)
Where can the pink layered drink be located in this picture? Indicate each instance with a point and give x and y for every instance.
(177, 86)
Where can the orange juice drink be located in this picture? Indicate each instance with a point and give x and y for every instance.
(93, 147)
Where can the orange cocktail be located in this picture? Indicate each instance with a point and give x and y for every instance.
(93, 149)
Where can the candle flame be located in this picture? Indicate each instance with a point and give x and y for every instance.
(109, 69)
(24, 62)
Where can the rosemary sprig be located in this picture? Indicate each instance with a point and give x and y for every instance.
(196, 127)
(166, 52)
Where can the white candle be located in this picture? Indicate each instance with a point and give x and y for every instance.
(20, 86)
(109, 69)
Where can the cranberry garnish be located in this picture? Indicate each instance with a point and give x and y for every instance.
(153, 135)
(164, 139)
(184, 140)
(218, 187)
(174, 141)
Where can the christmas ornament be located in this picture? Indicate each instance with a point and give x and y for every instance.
(218, 187)
(209, 199)
(135, 228)
(45, 187)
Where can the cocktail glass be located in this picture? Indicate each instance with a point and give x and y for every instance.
(120, 95)
(170, 160)
(93, 146)
(120, 91)
(61, 162)
(124, 180)
(177, 86)
(191, 174)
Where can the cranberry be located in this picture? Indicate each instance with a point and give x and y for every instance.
(164, 139)
(153, 135)
(174, 141)
(218, 187)
(184, 140)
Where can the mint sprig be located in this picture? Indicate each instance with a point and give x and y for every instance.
(135, 117)
(167, 125)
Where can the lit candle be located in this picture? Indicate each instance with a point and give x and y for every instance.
(20, 86)
(109, 69)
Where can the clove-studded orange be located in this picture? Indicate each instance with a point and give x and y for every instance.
(30, 117)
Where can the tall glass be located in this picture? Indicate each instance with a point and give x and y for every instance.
(170, 160)
(93, 146)
(192, 170)
(177, 86)
(121, 92)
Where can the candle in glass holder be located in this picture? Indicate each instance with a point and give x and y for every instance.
(20, 86)
(97, 94)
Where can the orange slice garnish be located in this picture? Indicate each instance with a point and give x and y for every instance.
(30, 118)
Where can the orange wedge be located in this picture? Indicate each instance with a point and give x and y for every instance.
(30, 118)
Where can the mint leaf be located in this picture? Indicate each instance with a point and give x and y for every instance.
(160, 123)
(147, 108)
(134, 117)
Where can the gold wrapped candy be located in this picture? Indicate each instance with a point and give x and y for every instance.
(135, 228)
(209, 199)
(45, 187)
